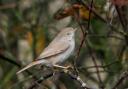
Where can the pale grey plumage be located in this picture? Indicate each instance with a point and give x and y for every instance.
(57, 51)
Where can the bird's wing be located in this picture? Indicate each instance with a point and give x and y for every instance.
(54, 49)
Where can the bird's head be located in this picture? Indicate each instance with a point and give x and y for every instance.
(67, 33)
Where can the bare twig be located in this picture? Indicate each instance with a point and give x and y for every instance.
(96, 66)
(40, 80)
(2, 57)
(100, 66)
(91, 51)
(125, 76)
(121, 18)
(77, 18)
(84, 32)
(124, 22)
(69, 73)
(106, 36)
(78, 79)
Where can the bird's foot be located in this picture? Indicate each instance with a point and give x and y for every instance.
(65, 68)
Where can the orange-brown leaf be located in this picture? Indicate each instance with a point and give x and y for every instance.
(71, 11)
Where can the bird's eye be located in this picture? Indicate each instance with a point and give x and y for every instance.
(68, 33)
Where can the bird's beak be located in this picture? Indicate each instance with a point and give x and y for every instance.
(75, 29)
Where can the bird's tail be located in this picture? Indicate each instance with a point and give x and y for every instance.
(32, 64)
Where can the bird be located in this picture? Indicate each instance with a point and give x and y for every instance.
(57, 52)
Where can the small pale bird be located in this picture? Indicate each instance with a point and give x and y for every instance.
(57, 51)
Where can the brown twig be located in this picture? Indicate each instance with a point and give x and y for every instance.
(107, 36)
(78, 79)
(40, 80)
(69, 73)
(125, 76)
(84, 32)
(96, 66)
(77, 18)
(91, 52)
(124, 22)
(100, 66)
(121, 18)
(2, 57)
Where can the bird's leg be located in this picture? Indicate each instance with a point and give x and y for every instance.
(63, 67)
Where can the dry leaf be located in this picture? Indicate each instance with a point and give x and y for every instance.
(71, 11)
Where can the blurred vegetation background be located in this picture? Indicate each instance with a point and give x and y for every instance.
(101, 54)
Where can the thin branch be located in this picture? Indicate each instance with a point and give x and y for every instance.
(121, 18)
(97, 69)
(77, 18)
(91, 51)
(37, 82)
(78, 79)
(69, 73)
(123, 22)
(84, 32)
(107, 36)
(83, 40)
(125, 76)
(100, 66)
(90, 11)
(2, 57)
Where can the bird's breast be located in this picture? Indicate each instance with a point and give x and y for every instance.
(60, 58)
(64, 56)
